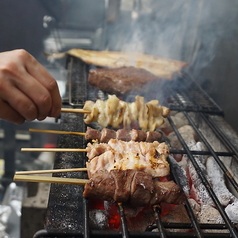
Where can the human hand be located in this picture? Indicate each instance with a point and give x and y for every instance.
(27, 90)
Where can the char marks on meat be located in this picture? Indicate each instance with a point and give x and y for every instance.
(137, 188)
(117, 154)
(119, 80)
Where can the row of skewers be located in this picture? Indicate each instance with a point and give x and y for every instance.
(128, 161)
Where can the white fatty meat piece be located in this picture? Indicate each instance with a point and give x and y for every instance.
(117, 154)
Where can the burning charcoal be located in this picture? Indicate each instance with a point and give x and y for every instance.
(184, 163)
(206, 214)
(178, 214)
(188, 134)
(201, 195)
(233, 167)
(141, 220)
(195, 206)
(214, 141)
(210, 215)
(98, 219)
(198, 189)
(216, 177)
(180, 174)
(232, 211)
(173, 214)
(199, 146)
(179, 120)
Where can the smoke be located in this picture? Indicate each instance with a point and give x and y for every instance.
(151, 29)
(185, 30)
(202, 33)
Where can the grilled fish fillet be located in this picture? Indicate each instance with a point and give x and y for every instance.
(160, 67)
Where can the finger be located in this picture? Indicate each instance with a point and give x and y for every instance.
(36, 93)
(44, 77)
(9, 114)
(14, 77)
(19, 101)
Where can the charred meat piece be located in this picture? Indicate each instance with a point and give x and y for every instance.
(119, 80)
(134, 187)
(125, 135)
(168, 192)
(141, 190)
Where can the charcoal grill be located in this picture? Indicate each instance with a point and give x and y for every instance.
(68, 212)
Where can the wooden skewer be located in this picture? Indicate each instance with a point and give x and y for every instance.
(50, 171)
(74, 110)
(58, 132)
(42, 179)
(53, 150)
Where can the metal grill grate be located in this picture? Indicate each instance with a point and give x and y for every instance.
(186, 95)
(68, 212)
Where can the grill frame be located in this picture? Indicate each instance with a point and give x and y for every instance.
(77, 78)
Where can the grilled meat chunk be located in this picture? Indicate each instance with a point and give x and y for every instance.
(152, 136)
(138, 135)
(126, 135)
(107, 134)
(92, 134)
(119, 80)
(134, 187)
(116, 154)
(123, 134)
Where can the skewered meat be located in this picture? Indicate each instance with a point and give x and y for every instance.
(116, 154)
(122, 134)
(134, 187)
(115, 112)
(119, 80)
(159, 66)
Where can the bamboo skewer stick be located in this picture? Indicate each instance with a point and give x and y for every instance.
(53, 150)
(42, 179)
(50, 171)
(74, 110)
(58, 132)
